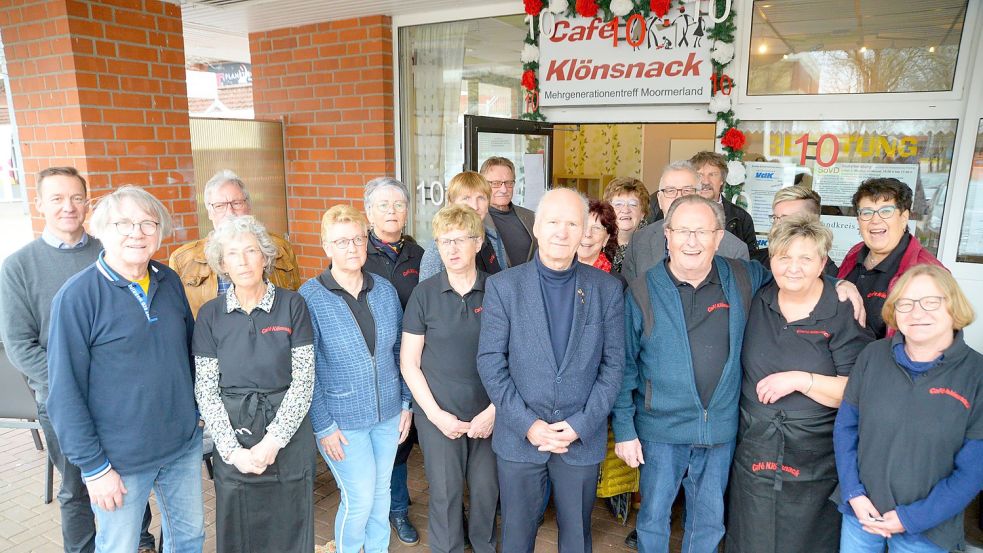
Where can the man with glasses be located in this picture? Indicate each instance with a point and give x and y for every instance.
(883, 207)
(225, 195)
(511, 223)
(28, 281)
(648, 247)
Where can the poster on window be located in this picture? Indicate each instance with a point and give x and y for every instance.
(587, 62)
(763, 180)
(837, 183)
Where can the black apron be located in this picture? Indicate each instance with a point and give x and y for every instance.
(273, 511)
(780, 482)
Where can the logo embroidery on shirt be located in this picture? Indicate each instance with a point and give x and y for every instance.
(492, 258)
(286, 329)
(882, 295)
(821, 332)
(771, 465)
(477, 310)
(951, 393)
(409, 272)
(716, 306)
(243, 430)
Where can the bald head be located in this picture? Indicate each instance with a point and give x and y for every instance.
(560, 221)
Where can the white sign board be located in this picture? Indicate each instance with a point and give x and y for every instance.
(587, 62)
(763, 180)
(836, 184)
(535, 166)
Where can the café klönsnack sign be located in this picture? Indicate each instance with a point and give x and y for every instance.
(625, 61)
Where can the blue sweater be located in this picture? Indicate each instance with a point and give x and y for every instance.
(122, 382)
(352, 388)
(659, 401)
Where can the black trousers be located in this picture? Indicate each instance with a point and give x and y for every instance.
(450, 464)
(522, 486)
(78, 522)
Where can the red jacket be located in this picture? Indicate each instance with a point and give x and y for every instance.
(914, 255)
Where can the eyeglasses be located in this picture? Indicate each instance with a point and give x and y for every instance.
(673, 192)
(248, 253)
(383, 207)
(928, 303)
(621, 204)
(342, 243)
(886, 212)
(147, 228)
(236, 205)
(701, 234)
(455, 242)
(500, 183)
(76, 200)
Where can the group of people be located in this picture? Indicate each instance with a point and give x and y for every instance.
(627, 344)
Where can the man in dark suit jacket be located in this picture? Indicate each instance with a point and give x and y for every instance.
(551, 355)
(508, 223)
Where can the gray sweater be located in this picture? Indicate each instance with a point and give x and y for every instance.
(29, 279)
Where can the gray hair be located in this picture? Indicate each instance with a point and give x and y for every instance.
(144, 200)
(679, 166)
(231, 227)
(718, 210)
(554, 191)
(380, 183)
(220, 178)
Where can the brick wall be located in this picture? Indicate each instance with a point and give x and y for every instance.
(101, 85)
(331, 83)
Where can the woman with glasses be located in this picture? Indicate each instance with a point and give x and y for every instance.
(629, 198)
(395, 256)
(471, 189)
(454, 417)
(909, 433)
(121, 396)
(254, 361)
(883, 207)
(800, 343)
(360, 407)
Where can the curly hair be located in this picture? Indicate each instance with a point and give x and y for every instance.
(608, 219)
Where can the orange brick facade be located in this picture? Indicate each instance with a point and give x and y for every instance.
(331, 83)
(101, 86)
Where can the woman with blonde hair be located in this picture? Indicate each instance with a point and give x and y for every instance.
(629, 198)
(909, 434)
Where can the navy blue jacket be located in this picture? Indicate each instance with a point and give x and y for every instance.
(526, 382)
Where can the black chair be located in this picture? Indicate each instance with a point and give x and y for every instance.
(19, 410)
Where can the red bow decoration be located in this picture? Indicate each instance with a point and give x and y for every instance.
(733, 139)
(533, 7)
(660, 7)
(587, 8)
(529, 79)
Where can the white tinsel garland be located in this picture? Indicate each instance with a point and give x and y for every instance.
(720, 103)
(621, 8)
(736, 174)
(530, 53)
(722, 52)
(558, 6)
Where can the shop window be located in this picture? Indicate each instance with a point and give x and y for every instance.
(448, 70)
(971, 237)
(854, 46)
(834, 157)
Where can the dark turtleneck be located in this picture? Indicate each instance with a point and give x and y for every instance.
(559, 291)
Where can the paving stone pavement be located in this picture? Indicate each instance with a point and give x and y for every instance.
(28, 525)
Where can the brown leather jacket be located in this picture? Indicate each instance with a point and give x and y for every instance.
(201, 284)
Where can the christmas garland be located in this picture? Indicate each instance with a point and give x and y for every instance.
(732, 140)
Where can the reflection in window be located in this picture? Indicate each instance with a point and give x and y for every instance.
(971, 237)
(448, 70)
(854, 46)
(834, 157)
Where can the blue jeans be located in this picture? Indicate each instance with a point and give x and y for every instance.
(177, 486)
(400, 493)
(854, 539)
(363, 478)
(706, 470)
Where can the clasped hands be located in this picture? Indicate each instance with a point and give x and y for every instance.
(256, 459)
(554, 438)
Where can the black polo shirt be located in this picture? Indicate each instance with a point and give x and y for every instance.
(450, 324)
(827, 342)
(873, 284)
(359, 306)
(910, 431)
(707, 314)
(253, 348)
(404, 274)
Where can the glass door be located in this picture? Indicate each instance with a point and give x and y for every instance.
(528, 144)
